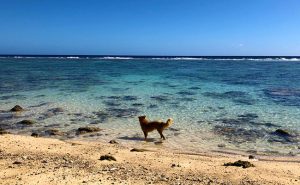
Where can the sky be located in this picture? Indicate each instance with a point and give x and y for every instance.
(150, 27)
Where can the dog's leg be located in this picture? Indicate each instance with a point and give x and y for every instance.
(145, 134)
(161, 134)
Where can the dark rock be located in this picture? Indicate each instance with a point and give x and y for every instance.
(2, 131)
(107, 157)
(113, 142)
(174, 165)
(34, 134)
(221, 145)
(26, 122)
(54, 132)
(83, 130)
(239, 163)
(283, 133)
(17, 162)
(17, 108)
(251, 157)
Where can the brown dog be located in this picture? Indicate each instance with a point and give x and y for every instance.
(149, 126)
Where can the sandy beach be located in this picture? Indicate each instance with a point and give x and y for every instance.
(30, 160)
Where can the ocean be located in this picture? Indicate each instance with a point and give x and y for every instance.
(220, 104)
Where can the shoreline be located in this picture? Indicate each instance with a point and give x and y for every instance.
(30, 160)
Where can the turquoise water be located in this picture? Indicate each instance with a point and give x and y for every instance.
(217, 104)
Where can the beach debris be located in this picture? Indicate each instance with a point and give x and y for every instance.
(107, 157)
(26, 122)
(83, 130)
(113, 142)
(239, 163)
(16, 108)
(54, 132)
(138, 150)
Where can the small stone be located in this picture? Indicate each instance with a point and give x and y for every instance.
(173, 165)
(113, 142)
(107, 157)
(17, 162)
(34, 134)
(17, 108)
(221, 145)
(44, 161)
(251, 157)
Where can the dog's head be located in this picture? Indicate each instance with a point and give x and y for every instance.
(141, 118)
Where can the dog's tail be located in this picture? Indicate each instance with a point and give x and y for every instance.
(169, 122)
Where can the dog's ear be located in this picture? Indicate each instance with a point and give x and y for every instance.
(142, 117)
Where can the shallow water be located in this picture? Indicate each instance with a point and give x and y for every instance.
(216, 104)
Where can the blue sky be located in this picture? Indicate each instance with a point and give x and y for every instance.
(150, 27)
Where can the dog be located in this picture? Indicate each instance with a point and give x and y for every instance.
(149, 126)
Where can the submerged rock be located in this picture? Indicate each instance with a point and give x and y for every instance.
(17, 108)
(26, 122)
(239, 163)
(56, 110)
(107, 157)
(83, 130)
(282, 133)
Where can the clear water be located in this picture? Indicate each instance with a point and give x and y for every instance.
(236, 103)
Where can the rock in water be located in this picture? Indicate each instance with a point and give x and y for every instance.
(34, 134)
(2, 131)
(26, 122)
(17, 108)
(282, 133)
(54, 132)
(83, 130)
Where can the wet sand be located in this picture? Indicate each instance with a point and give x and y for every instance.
(30, 160)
